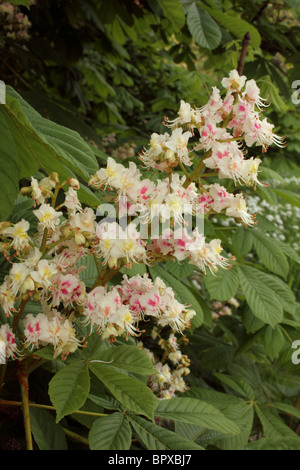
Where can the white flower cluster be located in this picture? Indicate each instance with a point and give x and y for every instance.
(124, 307)
(46, 265)
(223, 124)
(48, 271)
(170, 372)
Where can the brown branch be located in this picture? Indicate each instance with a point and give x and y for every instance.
(241, 61)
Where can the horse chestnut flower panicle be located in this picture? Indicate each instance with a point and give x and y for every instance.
(49, 264)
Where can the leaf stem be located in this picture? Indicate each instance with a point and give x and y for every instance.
(23, 382)
(75, 436)
(48, 407)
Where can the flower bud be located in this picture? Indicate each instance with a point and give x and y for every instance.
(28, 285)
(4, 226)
(54, 179)
(94, 180)
(67, 230)
(112, 262)
(26, 190)
(170, 156)
(74, 183)
(79, 238)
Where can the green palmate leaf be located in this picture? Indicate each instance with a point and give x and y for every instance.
(267, 443)
(222, 285)
(47, 434)
(193, 411)
(182, 293)
(272, 426)
(270, 174)
(10, 158)
(274, 340)
(235, 409)
(202, 27)
(90, 272)
(111, 432)
(180, 270)
(238, 384)
(288, 251)
(242, 241)
(284, 293)
(173, 10)
(242, 415)
(268, 88)
(94, 345)
(130, 392)
(288, 196)
(219, 356)
(95, 78)
(10, 173)
(270, 253)
(68, 145)
(155, 437)
(137, 269)
(106, 402)
(235, 25)
(262, 300)
(69, 388)
(27, 149)
(129, 358)
(251, 322)
(288, 409)
(268, 194)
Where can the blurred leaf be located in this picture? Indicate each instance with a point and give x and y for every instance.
(202, 27)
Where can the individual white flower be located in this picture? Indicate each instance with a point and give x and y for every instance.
(175, 356)
(249, 171)
(48, 217)
(186, 116)
(251, 94)
(125, 320)
(7, 297)
(17, 276)
(19, 234)
(172, 315)
(33, 326)
(72, 202)
(44, 273)
(36, 192)
(209, 134)
(213, 105)
(85, 221)
(33, 257)
(177, 143)
(238, 209)
(221, 198)
(260, 133)
(9, 338)
(234, 82)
